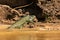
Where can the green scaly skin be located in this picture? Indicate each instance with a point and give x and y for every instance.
(19, 24)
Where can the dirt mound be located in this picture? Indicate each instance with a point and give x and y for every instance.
(51, 9)
(45, 11)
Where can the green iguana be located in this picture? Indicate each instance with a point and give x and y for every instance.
(19, 24)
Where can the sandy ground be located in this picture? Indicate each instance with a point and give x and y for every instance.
(30, 35)
(40, 26)
(2, 26)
